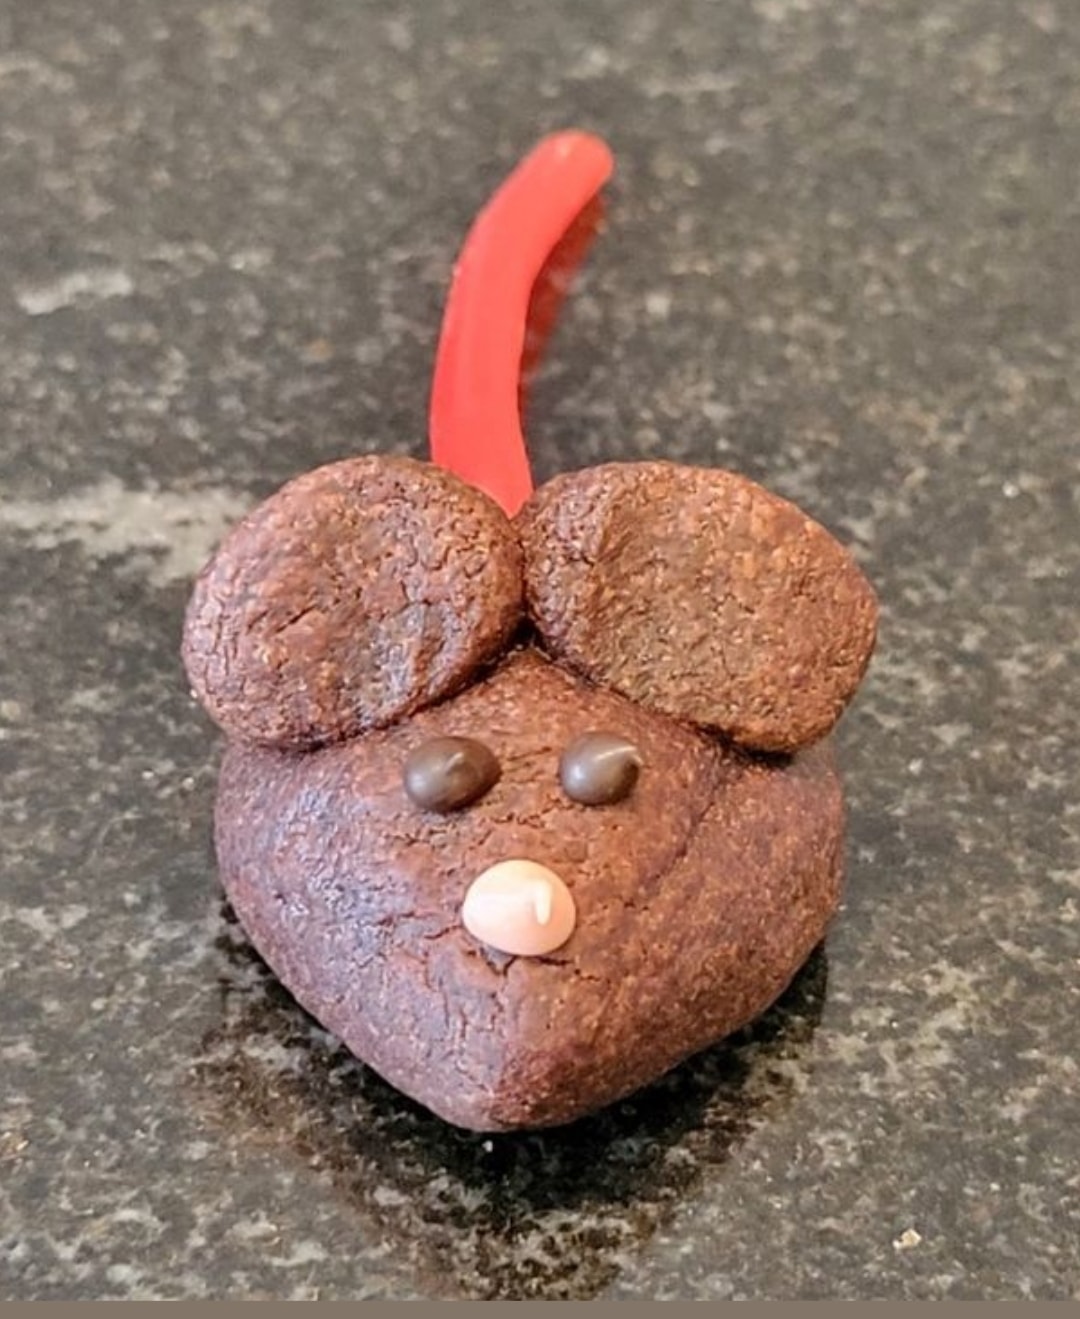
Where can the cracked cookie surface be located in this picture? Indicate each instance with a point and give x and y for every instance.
(357, 593)
(701, 594)
(698, 896)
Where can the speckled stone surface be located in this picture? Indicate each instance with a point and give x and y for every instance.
(841, 257)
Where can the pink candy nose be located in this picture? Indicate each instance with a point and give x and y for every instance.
(519, 907)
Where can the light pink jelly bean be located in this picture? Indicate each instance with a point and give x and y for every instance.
(519, 907)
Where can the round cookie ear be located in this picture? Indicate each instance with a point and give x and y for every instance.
(699, 593)
(353, 596)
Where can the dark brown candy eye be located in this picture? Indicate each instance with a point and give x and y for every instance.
(447, 773)
(599, 768)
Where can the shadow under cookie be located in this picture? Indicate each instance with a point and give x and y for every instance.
(546, 1215)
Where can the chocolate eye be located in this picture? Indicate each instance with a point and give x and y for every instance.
(447, 773)
(599, 768)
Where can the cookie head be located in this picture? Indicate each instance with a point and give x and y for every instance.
(355, 595)
(529, 956)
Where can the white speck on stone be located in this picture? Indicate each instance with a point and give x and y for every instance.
(950, 734)
(21, 1052)
(255, 1228)
(93, 700)
(45, 923)
(250, 260)
(399, 34)
(79, 287)
(1010, 489)
(1044, 17)
(173, 533)
(718, 413)
(907, 1240)
(124, 1275)
(1021, 1103)
(388, 1197)
(861, 528)
(36, 71)
(302, 1252)
(658, 304)
(369, 352)
(780, 11)
(591, 62)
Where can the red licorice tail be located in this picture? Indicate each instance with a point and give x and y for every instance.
(475, 417)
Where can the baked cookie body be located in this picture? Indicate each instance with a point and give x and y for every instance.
(698, 896)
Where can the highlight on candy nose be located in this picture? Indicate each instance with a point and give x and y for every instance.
(519, 907)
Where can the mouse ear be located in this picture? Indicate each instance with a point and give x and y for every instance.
(356, 594)
(700, 594)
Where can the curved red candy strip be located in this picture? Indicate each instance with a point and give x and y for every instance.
(552, 285)
(475, 420)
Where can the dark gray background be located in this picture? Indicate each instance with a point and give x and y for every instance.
(842, 256)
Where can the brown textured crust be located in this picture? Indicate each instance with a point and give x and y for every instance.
(356, 594)
(698, 897)
(702, 595)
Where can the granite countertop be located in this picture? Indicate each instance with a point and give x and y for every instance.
(841, 257)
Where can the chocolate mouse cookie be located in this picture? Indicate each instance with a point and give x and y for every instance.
(523, 901)
(528, 795)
